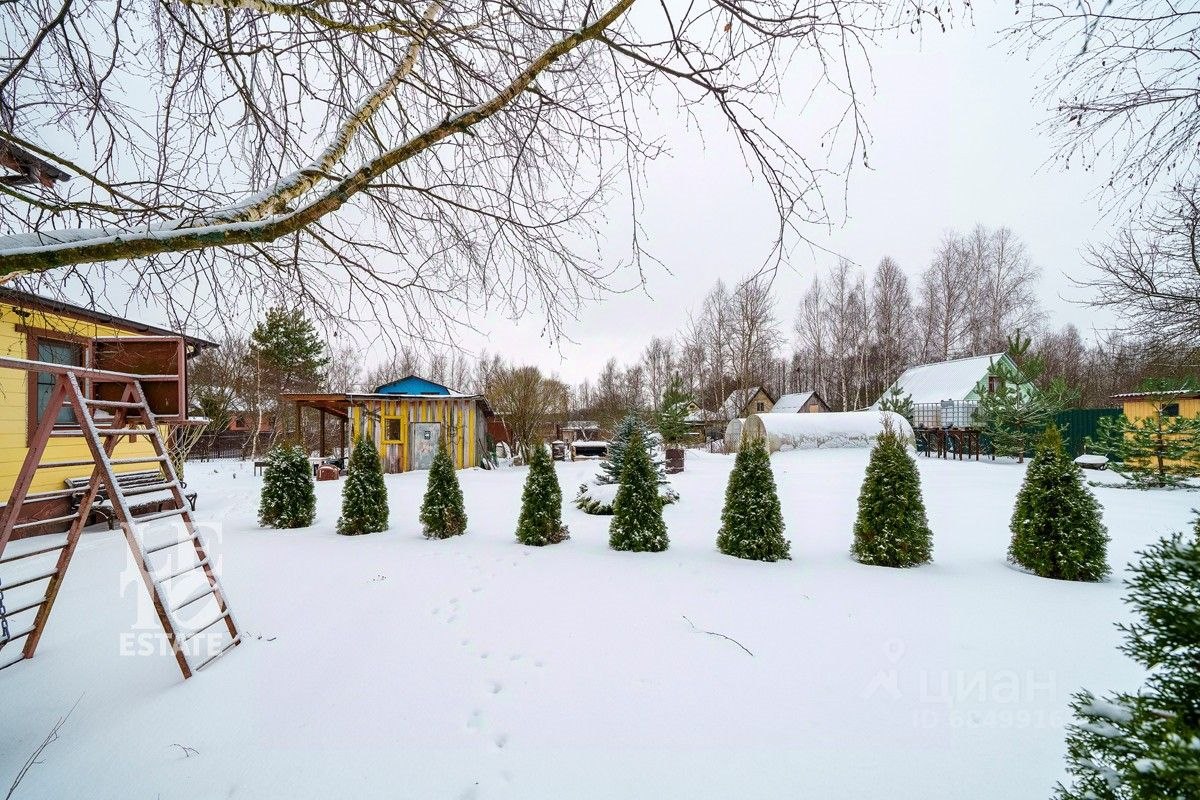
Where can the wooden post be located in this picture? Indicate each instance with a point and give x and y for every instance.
(343, 437)
(321, 416)
(299, 430)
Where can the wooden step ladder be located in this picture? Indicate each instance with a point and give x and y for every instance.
(102, 424)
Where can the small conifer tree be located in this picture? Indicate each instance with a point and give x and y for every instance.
(1146, 745)
(899, 401)
(672, 414)
(364, 495)
(751, 521)
(442, 512)
(541, 522)
(288, 499)
(891, 529)
(1056, 527)
(612, 467)
(637, 522)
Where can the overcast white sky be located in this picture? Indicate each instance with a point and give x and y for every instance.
(954, 120)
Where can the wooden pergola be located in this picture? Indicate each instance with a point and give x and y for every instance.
(335, 405)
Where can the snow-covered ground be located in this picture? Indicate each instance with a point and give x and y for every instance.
(391, 666)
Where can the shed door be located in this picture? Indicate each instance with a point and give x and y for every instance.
(424, 443)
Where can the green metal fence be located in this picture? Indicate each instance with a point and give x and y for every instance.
(1079, 423)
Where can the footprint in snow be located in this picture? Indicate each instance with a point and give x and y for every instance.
(501, 740)
(497, 687)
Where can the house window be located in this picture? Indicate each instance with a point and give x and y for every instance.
(392, 429)
(56, 352)
(1170, 410)
(760, 406)
(993, 384)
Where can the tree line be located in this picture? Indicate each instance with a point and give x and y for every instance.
(854, 331)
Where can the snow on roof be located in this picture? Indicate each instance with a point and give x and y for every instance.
(792, 403)
(703, 415)
(1167, 393)
(946, 380)
(737, 400)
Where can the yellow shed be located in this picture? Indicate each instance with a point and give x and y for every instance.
(1140, 405)
(41, 329)
(407, 419)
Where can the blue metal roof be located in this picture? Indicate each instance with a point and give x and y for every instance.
(412, 384)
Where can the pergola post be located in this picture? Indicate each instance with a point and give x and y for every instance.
(299, 429)
(321, 416)
(343, 437)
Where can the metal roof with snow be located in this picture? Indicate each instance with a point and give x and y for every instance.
(792, 403)
(946, 380)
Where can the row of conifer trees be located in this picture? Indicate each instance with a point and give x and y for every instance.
(289, 495)
(1056, 527)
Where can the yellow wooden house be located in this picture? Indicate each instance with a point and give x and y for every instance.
(42, 329)
(407, 420)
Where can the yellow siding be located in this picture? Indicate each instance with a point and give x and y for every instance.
(1140, 409)
(1136, 410)
(457, 416)
(14, 405)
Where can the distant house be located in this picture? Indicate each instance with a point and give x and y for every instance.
(705, 424)
(744, 402)
(244, 421)
(948, 392)
(800, 403)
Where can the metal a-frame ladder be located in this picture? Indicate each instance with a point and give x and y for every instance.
(102, 424)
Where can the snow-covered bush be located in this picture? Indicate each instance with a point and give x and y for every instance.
(289, 499)
(541, 522)
(364, 495)
(637, 522)
(891, 529)
(598, 498)
(1056, 527)
(1146, 746)
(442, 512)
(751, 521)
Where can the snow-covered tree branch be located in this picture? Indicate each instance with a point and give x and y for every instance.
(424, 158)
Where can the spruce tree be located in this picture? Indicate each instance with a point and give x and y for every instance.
(597, 502)
(637, 522)
(1146, 745)
(442, 512)
(364, 495)
(1056, 527)
(612, 467)
(891, 529)
(751, 521)
(288, 498)
(541, 522)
